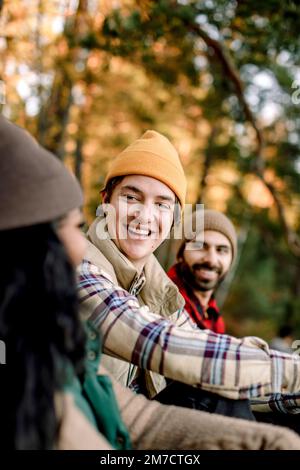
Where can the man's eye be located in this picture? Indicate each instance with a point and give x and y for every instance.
(194, 245)
(164, 205)
(130, 197)
(223, 251)
(198, 245)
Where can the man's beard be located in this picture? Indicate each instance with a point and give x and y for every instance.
(190, 276)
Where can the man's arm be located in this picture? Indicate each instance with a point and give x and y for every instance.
(287, 403)
(234, 368)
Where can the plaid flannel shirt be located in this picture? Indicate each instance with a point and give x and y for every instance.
(231, 367)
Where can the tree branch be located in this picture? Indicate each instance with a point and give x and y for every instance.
(233, 74)
(206, 166)
(292, 239)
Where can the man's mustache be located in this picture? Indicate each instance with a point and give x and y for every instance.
(207, 266)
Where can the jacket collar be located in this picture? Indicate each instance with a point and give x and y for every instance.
(153, 286)
(126, 273)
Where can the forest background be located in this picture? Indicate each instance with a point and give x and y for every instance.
(220, 78)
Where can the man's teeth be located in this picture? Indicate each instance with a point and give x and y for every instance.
(136, 231)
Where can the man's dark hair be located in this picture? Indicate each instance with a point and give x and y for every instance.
(285, 330)
(111, 184)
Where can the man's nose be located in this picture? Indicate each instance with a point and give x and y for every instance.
(210, 256)
(143, 213)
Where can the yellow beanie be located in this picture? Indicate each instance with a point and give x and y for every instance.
(151, 155)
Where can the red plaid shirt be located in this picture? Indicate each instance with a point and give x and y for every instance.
(211, 319)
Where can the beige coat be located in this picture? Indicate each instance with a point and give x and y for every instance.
(155, 426)
(153, 288)
(76, 432)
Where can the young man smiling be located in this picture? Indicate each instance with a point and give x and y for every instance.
(139, 311)
(142, 198)
(140, 214)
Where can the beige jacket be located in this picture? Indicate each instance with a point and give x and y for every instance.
(152, 288)
(76, 432)
(155, 426)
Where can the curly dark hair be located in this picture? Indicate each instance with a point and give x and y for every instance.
(40, 326)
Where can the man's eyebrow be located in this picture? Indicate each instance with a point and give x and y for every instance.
(205, 244)
(138, 191)
(132, 188)
(166, 198)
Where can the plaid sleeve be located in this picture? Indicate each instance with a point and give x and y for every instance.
(287, 403)
(234, 368)
(181, 318)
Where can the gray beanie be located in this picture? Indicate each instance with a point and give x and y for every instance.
(35, 187)
(214, 220)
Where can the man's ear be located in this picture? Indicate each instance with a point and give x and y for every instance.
(104, 196)
(104, 203)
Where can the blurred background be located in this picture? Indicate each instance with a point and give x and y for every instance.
(220, 78)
